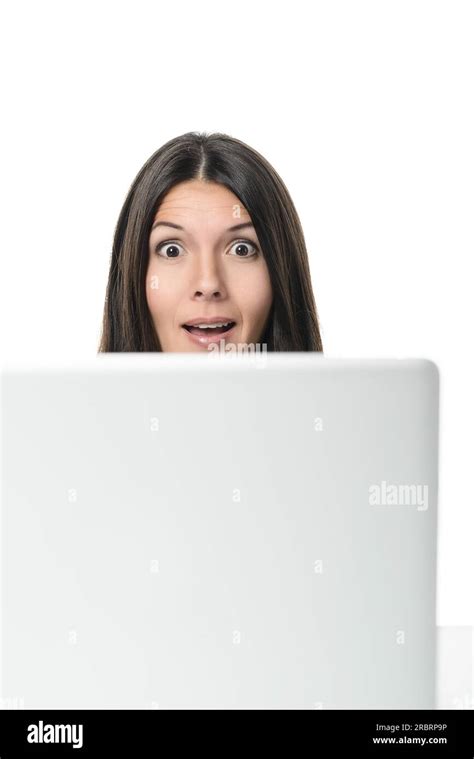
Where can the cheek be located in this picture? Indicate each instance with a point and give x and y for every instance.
(255, 299)
(161, 293)
(153, 293)
(259, 293)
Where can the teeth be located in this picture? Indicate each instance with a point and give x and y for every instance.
(208, 326)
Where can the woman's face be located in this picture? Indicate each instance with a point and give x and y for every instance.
(201, 268)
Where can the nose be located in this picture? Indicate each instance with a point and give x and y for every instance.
(208, 280)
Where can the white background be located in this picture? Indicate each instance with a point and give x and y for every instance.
(364, 108)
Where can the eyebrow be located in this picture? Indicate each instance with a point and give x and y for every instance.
(177, 226)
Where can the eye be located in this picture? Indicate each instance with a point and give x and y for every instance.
(242, 248)
(171, 248)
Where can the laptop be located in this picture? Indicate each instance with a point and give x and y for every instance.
(219, 531)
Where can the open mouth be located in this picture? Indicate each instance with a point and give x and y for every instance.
(209, 330)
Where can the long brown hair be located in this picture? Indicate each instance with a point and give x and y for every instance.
(293, 321)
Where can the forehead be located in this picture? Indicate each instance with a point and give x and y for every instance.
(199, 200)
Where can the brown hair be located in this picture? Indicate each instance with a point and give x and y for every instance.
(293, 321)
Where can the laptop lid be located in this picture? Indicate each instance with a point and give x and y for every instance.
(219, 531)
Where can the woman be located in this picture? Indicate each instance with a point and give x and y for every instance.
(208, 249)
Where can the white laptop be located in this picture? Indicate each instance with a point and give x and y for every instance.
(215, 531)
